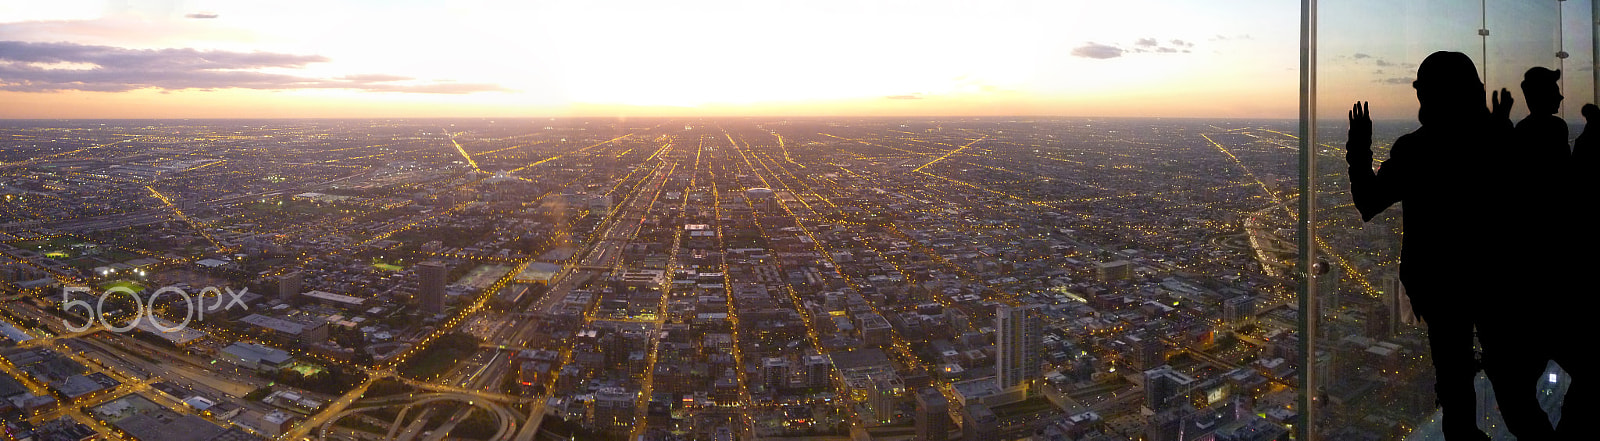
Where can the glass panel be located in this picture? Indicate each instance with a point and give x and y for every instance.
(1373, 368)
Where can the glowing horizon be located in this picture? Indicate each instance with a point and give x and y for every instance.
(307, 59)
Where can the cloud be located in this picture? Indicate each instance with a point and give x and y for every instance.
(115, 58)
(47, 67)
(201, 15)
(375, 78)
(1384, 63)
(904, 97)
(1155, 46)
(1097, 51)
(1395, 80)
(1139, 46)
(1359, 56)
(443, 88)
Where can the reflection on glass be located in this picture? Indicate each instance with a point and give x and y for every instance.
(1372, 360)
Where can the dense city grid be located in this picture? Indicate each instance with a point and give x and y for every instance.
(684, 279)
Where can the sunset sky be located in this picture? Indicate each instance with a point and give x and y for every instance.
(184, 59)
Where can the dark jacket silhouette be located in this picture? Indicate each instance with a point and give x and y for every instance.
(1440, 174)
(1514, 332)
(1570, 326)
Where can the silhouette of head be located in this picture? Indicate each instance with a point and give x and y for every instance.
(1541, 87)
(1448, 89)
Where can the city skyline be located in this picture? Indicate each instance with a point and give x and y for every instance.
(723, 220)
(670, 279)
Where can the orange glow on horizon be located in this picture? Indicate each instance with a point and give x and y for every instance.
(617, 58)
(292, 104)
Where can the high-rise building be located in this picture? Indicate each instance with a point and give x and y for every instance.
(289, 285)
(1162, 387)
(1148, 352)
(1114, 270)
(1377, 322)
(725, 392)
(1397, 303)
(775, 373)
(1020, 334)
(884, 394)
(957, 319)
(875, 330)
(978, 423)
(430, 289)
(1329, 297)
(614, 409)
(1167, 425)
(819, 371)
(1239, 310)
(933, 415)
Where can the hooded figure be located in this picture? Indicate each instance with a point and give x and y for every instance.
(1440, 174)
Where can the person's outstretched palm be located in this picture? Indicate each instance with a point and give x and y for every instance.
(1502, 104)
(1359, 148)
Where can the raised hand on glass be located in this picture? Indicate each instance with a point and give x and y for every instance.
(1358, 150)
(1502, 104)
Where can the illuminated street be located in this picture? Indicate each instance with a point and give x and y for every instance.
(665, 279)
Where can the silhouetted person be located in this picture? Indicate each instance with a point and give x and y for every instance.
(1542, 135)
(1516, 335)
(1573, 315)
(1586, 150)
(1438, 172)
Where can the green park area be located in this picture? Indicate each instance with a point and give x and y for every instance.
(386, 266)
(48, 244)
(305, 369)
(129, 284)
(59, 247)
